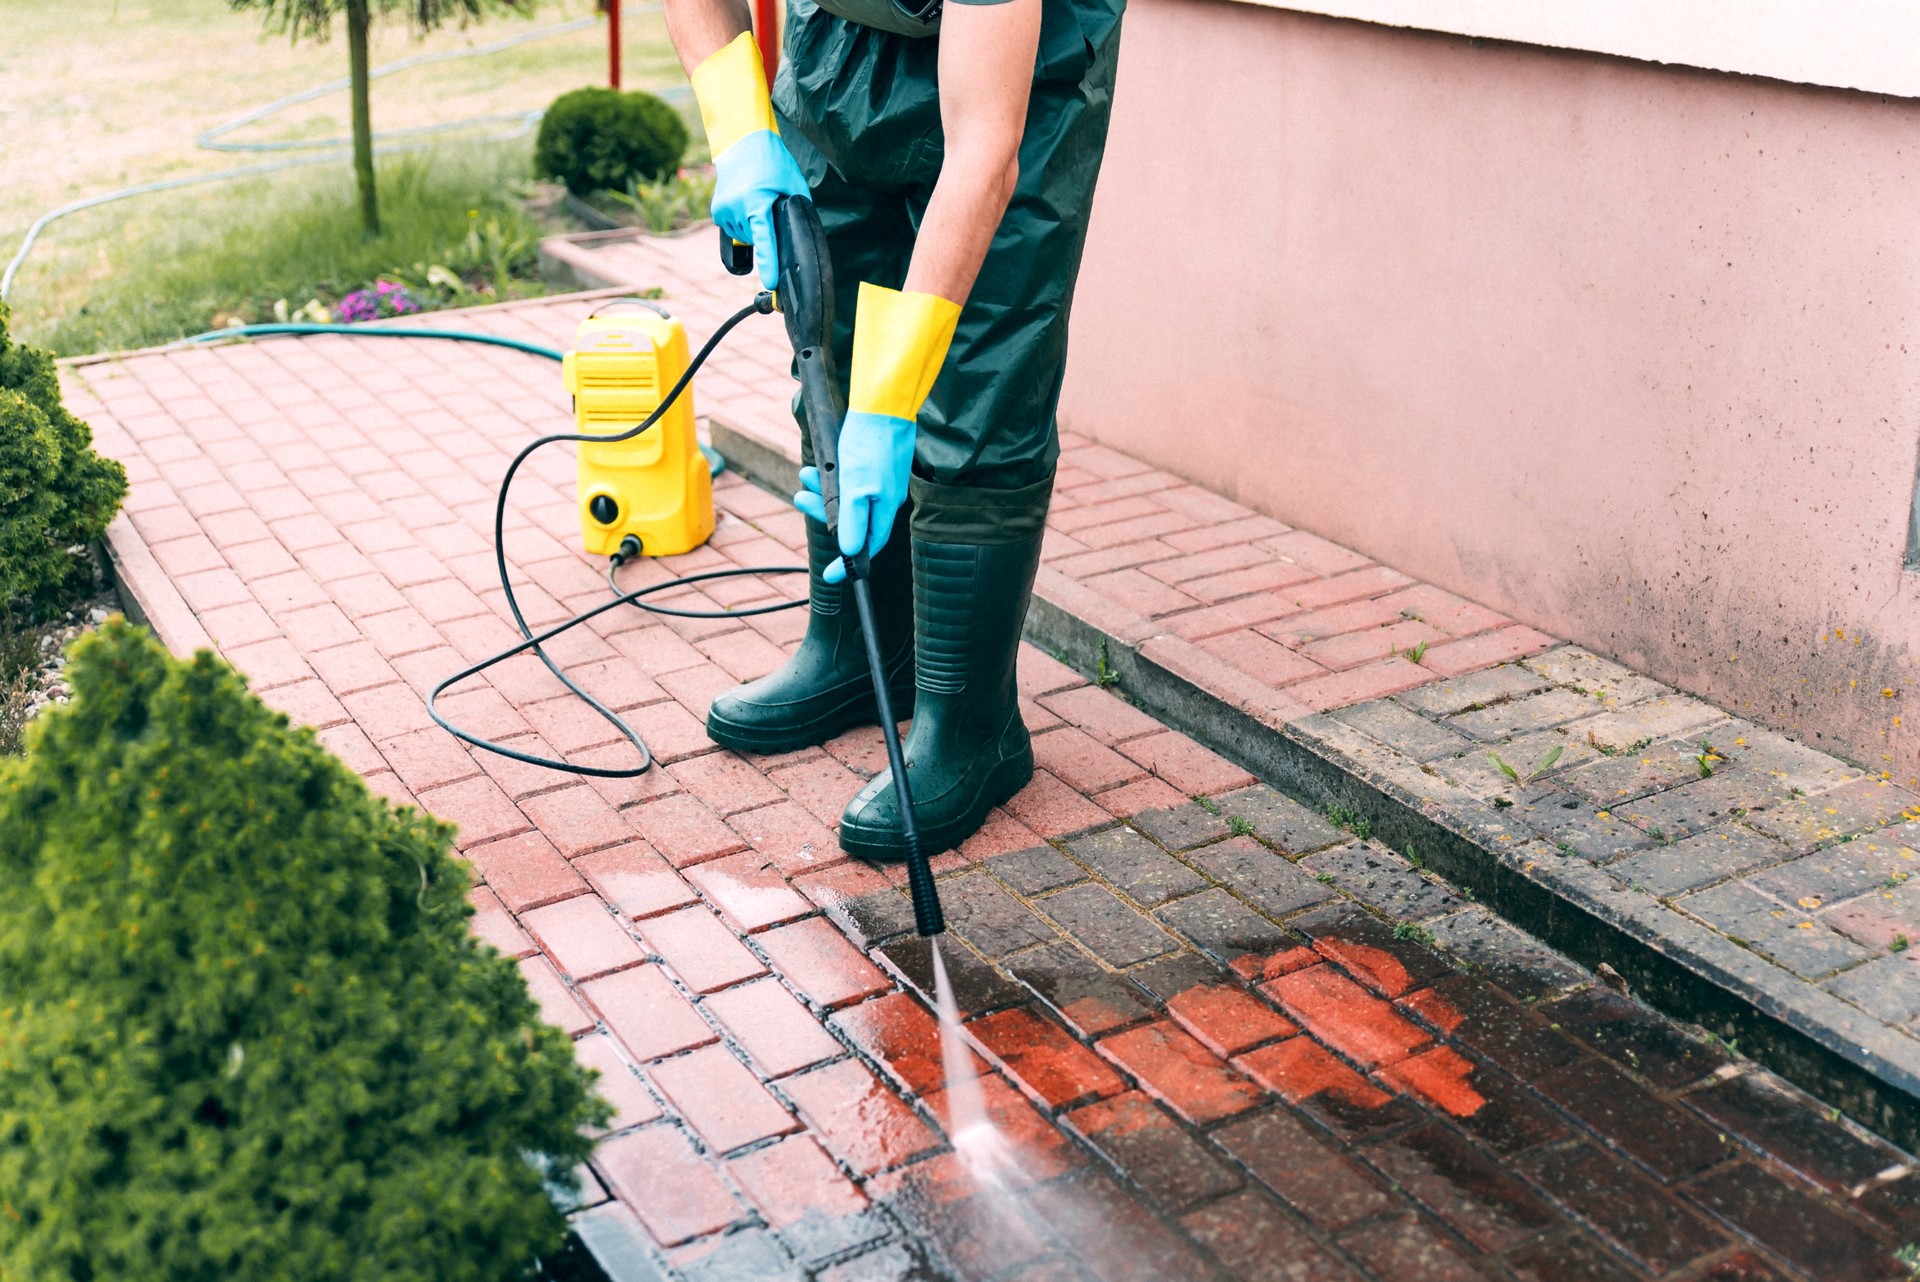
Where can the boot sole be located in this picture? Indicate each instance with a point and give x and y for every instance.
(763, 742)
(1008, 778)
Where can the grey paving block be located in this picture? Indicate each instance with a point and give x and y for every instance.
(1880, 918)
(1788, 764)
(1522, 716)
(1575, 827)
(1628, 776)
(1491, 685)
(1834, 873)
(1169, 977)
(1790, 937)
(1702, 859)
(873, 919)
(1886, 987)
(753, 1255)
(1270, 882)
(1508, 957)
(986, 916)
(1106, 926)
(1036, 871)
(1604, 679)
(1223, 927)
(619, 1245)
(1819, 820)
(1090, 999)
(1670, 716)
(1403, 730)
(1143, 870)
(1286, 823)
(1182, 827)
(817, 1237)
(1699, 804)
(1385, 880)
(1528, 754)
(977, 986)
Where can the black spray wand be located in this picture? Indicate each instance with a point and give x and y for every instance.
(805, 298)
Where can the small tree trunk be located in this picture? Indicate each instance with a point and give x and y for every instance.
(362, 116)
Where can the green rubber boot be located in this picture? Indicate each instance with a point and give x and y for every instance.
(826, 688)
(975, 553)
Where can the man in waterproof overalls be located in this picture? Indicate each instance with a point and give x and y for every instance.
(952, 159)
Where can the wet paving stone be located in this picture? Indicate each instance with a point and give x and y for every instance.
(1636, 1215)
(1700, 860)
(1289, 826)
(1223, 927)
(1168, 978)
(1370, 950)
(1180, 1072)
(1253, 1241)
(1288, 1157)
(1183, 827)
(1034, 872)
(1107, 926)
(1104, 1228)
(1789, 936)
(1670, 1143)
(977, 986)
(1268, 881)
(1155, 1152)
(1482, 1101)
(1044, 1059)
(1634, 1037)
(1383, 879)
(816, 1237)
(1471, 1012)
(1226, 1019)
(750, 1256)
(1089, 999)
(1504, 955)
(1407, 1247)
(1811, 1235)
(980, 910)
(1147, 874)
(1461, 1185)
(1568, 1257)
(1794, 1131)
(873, 919)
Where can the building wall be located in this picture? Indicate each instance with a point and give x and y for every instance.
(1627, 351)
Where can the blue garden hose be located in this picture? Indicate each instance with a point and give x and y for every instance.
(374, 331)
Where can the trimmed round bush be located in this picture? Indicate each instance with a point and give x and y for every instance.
(54, 490)
(600, 139)
(245, 1031)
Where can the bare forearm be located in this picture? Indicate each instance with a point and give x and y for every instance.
(700, 27)
(968, 202)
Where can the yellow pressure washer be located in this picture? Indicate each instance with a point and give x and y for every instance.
(657, 485)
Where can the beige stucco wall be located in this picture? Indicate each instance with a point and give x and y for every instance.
(1628, 351)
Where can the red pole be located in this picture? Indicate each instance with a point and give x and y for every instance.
(766, 30)
(613, 43)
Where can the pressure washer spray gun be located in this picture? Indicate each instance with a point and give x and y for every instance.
(805, 298)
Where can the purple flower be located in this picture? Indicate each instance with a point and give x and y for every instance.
(386, 298)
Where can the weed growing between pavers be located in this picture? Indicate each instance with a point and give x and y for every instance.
(247, 1031)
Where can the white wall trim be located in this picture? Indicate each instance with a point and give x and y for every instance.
(1871, 45)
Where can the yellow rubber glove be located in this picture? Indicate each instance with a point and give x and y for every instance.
(752, 167)
(900, 342)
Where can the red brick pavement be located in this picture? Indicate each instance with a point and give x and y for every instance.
(323, 507)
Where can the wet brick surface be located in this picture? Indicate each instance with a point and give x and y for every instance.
(1226, 1067)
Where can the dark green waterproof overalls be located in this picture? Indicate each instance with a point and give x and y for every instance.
(858, 104)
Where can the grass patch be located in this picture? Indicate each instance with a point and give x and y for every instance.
(231, 254)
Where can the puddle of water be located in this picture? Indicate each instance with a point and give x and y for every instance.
(975, 1138)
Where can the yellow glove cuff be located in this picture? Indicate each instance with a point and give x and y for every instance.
(731, 87)
(900, 342)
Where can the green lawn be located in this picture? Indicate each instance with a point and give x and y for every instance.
(101, 94)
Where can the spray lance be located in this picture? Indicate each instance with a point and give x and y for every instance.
(805, 299)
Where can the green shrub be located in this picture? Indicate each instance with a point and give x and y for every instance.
(599, 139)
(54, 490)
(245, 1031)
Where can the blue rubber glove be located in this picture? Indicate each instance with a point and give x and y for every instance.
(876, 458)
(748, 177)
(751, 166)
